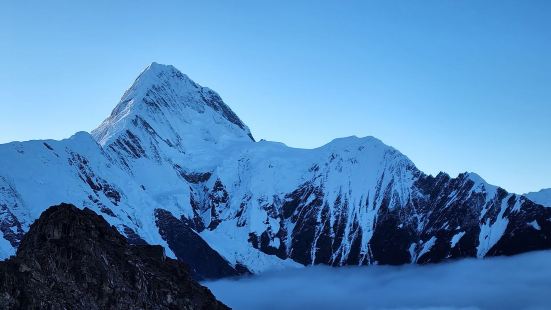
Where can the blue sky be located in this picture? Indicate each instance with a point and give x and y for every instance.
(455, 85)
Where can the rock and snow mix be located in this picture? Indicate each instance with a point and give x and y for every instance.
(543, 197)
(172, 145)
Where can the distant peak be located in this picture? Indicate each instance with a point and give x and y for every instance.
(81, 136)
(156, 72)
(155, 66)
(543, 197)
(354, 141)
(544, 190)
(475, 177)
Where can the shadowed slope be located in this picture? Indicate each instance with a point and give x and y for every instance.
(73, 259)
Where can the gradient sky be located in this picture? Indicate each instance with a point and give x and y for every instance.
(455, 85)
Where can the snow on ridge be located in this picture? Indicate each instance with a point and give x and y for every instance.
(542, 197)
(37, 174)
(173, 144)
(168, 100)
(480, 185)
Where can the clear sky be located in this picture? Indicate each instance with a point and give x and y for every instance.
(455, 85)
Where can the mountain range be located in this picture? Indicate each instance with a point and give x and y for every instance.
(174, 165)
(542, 197)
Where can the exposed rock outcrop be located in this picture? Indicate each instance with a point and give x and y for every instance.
(73, 259)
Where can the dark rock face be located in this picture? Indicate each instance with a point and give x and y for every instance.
(10, 202)
(73, 259)
(445, 218)
(218, 201)
(203, 261)
(529, 230)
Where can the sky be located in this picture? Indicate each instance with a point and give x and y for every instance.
(518, 282)
(455, 85)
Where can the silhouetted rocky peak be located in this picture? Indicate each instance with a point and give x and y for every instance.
(73, 259)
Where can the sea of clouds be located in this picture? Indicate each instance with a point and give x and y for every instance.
(519, 282)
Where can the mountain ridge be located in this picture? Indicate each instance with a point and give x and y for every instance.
(172, 153)
(542, 196)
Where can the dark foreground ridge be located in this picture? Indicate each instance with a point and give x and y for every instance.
(73, 259)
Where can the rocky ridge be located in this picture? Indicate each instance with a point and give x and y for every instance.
(73, 259)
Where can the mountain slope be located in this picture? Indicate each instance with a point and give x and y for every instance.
(76, 170)
(358, 201)
(104, 271)
(542, 197)
(173, 165)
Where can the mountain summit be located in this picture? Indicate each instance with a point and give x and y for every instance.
(542, 197)
(168, 109)
(173, 165)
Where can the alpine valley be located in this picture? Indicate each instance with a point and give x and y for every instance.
(174, 165)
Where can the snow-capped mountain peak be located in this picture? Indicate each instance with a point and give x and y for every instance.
(167, 105)
(174, 165)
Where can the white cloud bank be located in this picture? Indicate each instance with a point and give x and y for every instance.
(520, 282)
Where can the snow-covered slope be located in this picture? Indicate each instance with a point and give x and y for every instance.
(173, 165)
(543, 197)
(35, 174)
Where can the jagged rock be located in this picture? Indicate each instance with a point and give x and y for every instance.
(73, 259)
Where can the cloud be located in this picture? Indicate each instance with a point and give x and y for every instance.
(520, 282)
